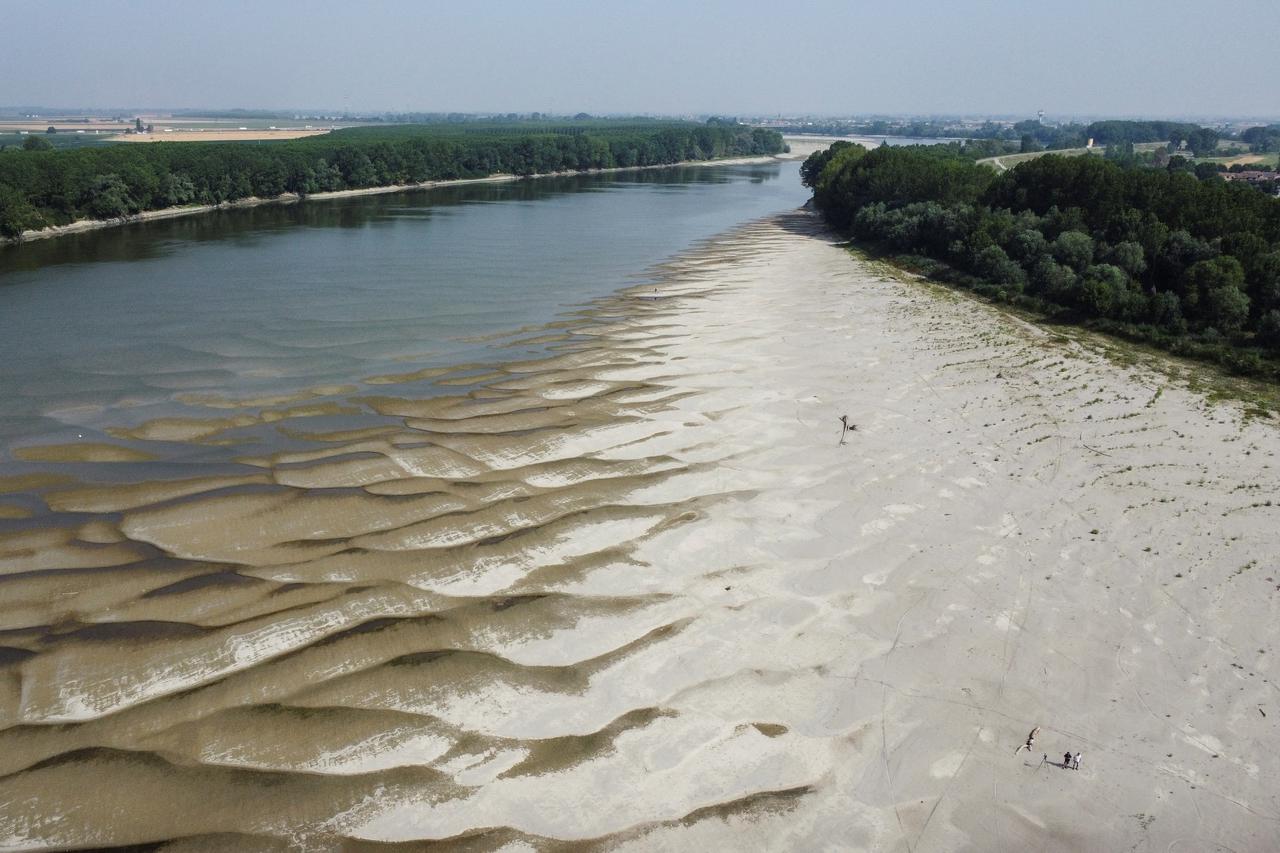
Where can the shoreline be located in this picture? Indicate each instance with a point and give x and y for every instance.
(84, 225)
(1251, 388)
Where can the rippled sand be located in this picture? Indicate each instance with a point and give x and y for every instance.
(636, 595)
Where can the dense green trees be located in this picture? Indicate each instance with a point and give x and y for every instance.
(1153, 254)
(40, 188)
(1118, 136)
(1262, 139)
(1049, 135)
(1202, 141)
(1001, 138)
(1122, 130)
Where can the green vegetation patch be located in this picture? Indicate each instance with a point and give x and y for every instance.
(45, 141)
(1148, 255)
(39, 188)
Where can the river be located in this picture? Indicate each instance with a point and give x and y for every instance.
(282, 488)
(113, 328)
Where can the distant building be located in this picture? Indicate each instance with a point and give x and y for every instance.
(1265, 181)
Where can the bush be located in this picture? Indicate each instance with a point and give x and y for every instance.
(1053, 281)
(107, 198)
(1128, 256)
(1269, 330)
(1074, 249)
(116, 180)
(16, 215)
(1105, 292)
(1227, 308)
(995, 266)
(1144, 253)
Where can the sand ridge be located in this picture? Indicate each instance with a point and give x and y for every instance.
(637, 596)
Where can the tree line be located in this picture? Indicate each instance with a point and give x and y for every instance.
(1033, 135)
(39, 188)
(1155, 255)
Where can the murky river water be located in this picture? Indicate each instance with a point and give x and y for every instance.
(269, 479)
(129, 324)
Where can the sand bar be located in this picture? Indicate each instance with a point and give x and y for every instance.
(668, 609)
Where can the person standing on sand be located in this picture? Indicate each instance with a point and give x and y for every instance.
(1066, 761)
(1075, 762)
(1031, 741)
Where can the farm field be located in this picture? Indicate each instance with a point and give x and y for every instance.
(1252, 160)
(1008, 161)
(218, 135)
(74, 131)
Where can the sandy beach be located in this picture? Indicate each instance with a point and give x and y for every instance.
(639, 595)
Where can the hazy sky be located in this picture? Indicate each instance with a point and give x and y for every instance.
(1074, 57)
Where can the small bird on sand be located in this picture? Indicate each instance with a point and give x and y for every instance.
(846, 427)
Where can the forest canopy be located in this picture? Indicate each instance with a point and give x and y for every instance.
(1155, 255)
(39, 188)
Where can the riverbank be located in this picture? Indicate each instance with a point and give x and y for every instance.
(647, 593)
(84, 225)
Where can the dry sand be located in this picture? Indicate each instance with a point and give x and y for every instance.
(218, 135)
(638, 596)
(803, 146)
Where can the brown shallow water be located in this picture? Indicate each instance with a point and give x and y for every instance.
(390, 612)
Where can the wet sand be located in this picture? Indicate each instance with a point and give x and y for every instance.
(638, 596)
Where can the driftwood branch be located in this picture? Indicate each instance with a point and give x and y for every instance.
(1094, 449)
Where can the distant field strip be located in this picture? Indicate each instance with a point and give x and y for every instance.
(217, 135)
